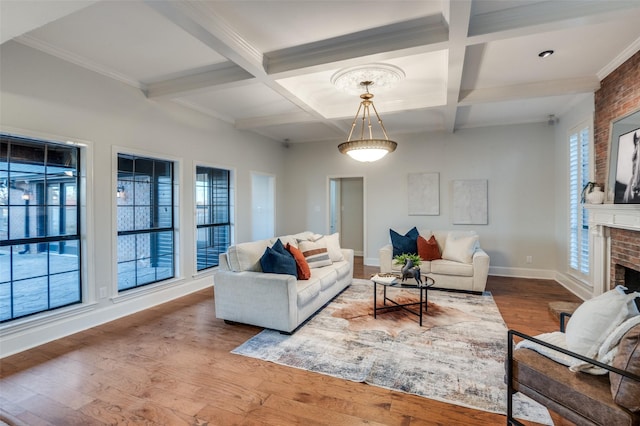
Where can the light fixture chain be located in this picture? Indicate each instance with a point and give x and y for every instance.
(384, 131)
(355, 120)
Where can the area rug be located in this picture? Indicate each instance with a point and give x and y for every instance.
(457, 356)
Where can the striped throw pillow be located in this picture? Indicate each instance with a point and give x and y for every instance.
(315, 253)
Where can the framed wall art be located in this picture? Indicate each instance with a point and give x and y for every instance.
(424, 194)
(623, 177)
(470, 202)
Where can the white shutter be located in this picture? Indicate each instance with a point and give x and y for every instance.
(579, 176)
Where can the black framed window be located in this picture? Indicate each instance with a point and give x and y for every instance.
(145, 221)
(39, 226)
(213, 209)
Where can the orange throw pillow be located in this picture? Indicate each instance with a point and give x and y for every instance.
(304, 272)
(428, 249)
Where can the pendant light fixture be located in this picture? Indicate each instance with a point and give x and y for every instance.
(365, 146)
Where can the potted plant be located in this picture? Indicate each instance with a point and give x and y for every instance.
(401, 259)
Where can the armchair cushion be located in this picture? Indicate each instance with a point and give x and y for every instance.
(406, 243)
(579, 397)
(595, 319)
(626, 392)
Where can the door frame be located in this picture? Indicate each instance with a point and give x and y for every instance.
(364, 205)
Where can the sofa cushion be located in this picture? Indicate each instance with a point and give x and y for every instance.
(307, 291)
(428, 249)
(595, 319)
(333, 247)
(448, 267)
(302, 267)
(278, 260)
(325, 276)
(406, 243)
(625, 391)
(315, 253)
(460, 248)
(246, 256)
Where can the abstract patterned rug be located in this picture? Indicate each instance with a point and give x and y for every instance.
(457, 356)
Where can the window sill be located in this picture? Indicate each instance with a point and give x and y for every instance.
(37, 320)
(136, 293)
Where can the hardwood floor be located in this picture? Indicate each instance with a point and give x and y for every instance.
(171, 365)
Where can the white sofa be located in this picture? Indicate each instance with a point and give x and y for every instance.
(245, 294)
(447, 274)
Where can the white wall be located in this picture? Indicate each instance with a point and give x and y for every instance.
(518, 162)
(42, 95)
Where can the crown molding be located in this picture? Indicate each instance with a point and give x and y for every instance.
(81, 61)
(627, 53)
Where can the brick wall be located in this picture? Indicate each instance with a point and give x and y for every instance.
(619, 94)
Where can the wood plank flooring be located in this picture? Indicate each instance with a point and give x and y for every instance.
(171, 365)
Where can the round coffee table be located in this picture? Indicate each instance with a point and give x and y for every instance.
(395, 282)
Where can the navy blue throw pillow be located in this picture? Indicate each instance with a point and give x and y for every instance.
(276, 262)
(279, 247)
(407, 243)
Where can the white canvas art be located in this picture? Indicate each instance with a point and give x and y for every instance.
(424, 194)
(470, 204)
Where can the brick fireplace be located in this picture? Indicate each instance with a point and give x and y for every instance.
(615, 228)
(615, 231)
(625, 258)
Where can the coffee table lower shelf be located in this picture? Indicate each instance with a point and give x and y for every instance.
(422, 289)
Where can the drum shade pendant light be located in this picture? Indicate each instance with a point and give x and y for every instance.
(367, 148)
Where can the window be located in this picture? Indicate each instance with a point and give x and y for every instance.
(213, 212)
(39, 227)
(145, 221)
(579, 173)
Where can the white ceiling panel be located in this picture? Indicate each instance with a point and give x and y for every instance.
(273, 25)
(233, 101)
(129, 38)
(515, 60)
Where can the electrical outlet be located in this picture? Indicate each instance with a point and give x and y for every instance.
(103, 292)
(529, 259)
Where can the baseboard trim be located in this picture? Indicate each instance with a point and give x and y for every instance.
(27, 336)
(542, 274)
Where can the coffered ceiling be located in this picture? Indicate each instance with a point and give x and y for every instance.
(266, 65)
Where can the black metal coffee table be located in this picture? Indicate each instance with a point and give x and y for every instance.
(396, 282)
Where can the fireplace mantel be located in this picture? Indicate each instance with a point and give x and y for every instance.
(601, 218)
(626, 216)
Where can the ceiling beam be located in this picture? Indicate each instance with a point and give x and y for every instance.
(222, 76)
(459, 16)
(550, 15)
(531, 90)
(274, 120)
(414, 33)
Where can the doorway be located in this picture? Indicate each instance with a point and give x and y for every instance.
(346, 211)
(263, 194)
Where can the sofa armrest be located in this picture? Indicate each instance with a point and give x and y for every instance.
(385, 257)
(256, 298)
(480, 262)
